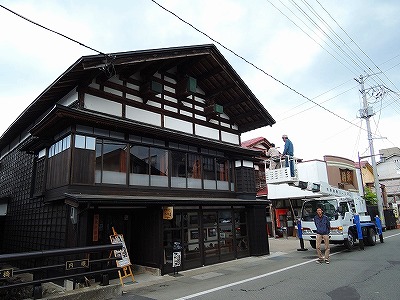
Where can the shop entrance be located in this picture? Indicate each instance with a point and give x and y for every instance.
(207, 236)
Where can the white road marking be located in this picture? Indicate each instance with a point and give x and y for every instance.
(259, 276)
(243, 281)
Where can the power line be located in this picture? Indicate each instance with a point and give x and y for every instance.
(331, 30)
(337, 59)
(253, 65)
(320, 29)
(304, 110)
(106, 55)
(53, 31)
(338, 37)
(305, 102)
(357, 46)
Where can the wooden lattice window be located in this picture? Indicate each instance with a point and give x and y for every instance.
(346, 176)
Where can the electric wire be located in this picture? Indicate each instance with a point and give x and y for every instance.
(253, 65)
(356, 44)
(320, 29)
(314, 12)
(53, 31)
(234, 53)
(330, 29)
(338, 37)
(320, 95)
(338, 60)
(326, 100)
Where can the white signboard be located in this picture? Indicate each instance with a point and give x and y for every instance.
(176, 259)
(124, 260)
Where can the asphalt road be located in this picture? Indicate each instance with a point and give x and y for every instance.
(372, 273)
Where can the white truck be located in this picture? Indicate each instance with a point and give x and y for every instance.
(342, 207)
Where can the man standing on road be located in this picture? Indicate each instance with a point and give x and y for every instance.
(323, 229)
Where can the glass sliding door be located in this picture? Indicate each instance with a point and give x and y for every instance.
(226, 235)
(191, 240)
(210, 237)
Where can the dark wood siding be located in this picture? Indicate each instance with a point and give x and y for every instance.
(245, 180)
(40, 175)
(83, 166)
(58, 169)
(29, 225)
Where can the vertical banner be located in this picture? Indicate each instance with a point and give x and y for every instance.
(96, 227)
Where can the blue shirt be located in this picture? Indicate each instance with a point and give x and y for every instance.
(288, 149)
(323, 225)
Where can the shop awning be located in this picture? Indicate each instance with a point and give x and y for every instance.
(156, 200)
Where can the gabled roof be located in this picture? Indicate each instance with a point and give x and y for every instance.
(256, 141)
(215, 76)
(363, 164)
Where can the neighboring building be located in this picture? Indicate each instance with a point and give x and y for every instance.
(117, 141)
(389, 175)
(261, 144)
(342, 173)
(367, 174)
(260, 166)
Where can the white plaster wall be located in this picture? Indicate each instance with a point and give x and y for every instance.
(178, 125)
(144, 116)
(207, 132)
(102, 105)
(230, 137)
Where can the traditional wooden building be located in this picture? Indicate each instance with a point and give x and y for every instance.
(122, 140)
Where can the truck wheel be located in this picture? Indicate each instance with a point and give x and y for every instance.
(349, 243)
(313, 244)
(371, 237)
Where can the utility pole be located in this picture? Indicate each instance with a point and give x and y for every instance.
(366, 113)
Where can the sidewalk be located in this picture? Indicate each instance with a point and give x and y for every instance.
(278, 247)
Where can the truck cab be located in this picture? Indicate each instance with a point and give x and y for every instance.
(334, 209)
(340, 212)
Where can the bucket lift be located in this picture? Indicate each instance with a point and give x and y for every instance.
(282, 173)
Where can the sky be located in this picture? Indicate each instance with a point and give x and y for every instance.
(303, 59)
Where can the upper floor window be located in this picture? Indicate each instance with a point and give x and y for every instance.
(111, 162)
(60, 146)
(346, 176)
(119, 162)
(85, 142)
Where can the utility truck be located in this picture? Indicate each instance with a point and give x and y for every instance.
(346, 210)
(341, 207)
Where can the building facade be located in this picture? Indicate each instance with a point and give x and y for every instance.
(389, 175)
(146, 143)
(343, 173)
